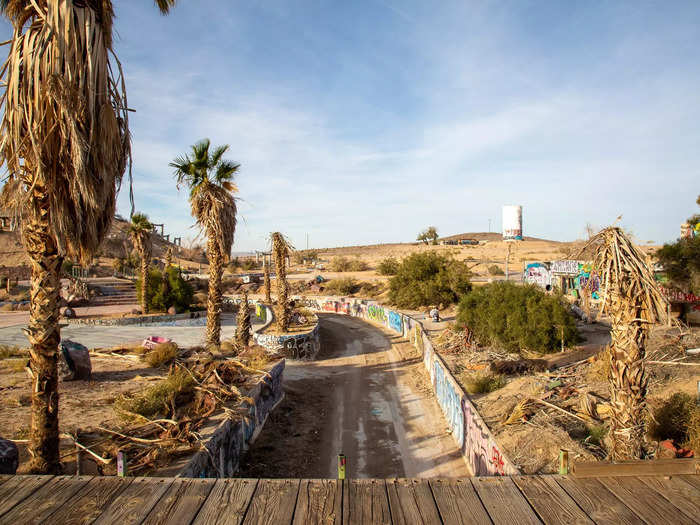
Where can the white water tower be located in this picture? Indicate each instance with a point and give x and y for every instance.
(512, 223)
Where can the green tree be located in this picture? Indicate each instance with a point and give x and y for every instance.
(210, 180)
(424, 279)
(65, 141)
(429, 235)
(681, 260)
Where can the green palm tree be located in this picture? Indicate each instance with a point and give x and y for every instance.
(140, 230)
(210, 180)
(64, 137)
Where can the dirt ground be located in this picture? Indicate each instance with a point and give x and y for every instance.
(366, 396)
(533, 443)
(82, 404)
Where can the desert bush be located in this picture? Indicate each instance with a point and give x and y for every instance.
(388, 266)
(161, 354)
(514, 318)
(599, 369)
(678, 419)
(177, 293)
(484, 383)
(425, 279)
(7, 351)
(308, 255)
(343, 264)
(370, 289)
(596, 434)
(344, 286)
(494, 269)
(156, 399)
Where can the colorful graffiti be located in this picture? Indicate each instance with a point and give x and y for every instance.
(565, 267)
(395, 321)
(588, 278)
(676, 296)
(539, 274)
(450, 401)
(376, 313)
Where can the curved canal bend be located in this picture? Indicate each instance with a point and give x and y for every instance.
(366, 396)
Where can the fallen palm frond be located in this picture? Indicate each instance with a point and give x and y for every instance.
(521, 412)
(454, 340)
(634, 302)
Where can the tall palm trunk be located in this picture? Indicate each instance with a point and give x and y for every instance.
(243, 323)
(628, 383)
(282, 309)
(216, 270)
(43, 333)
(266, 264)
(144, 283)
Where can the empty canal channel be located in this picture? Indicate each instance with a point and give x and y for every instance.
(366, 396)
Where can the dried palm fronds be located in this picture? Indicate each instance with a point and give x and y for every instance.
(634, 302)
(280, 251)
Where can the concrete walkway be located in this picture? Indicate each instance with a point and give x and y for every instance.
(108, 336)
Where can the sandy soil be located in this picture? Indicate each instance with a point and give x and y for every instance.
(368, 397)
(82, 404)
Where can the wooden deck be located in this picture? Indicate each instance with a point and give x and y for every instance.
(507, 500)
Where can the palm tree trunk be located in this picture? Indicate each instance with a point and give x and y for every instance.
(628, 388)
(243, 323)
(214, 298)
(44, 334)
(266, 264)
(144, 284)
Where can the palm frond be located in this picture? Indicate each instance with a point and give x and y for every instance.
(164, 6)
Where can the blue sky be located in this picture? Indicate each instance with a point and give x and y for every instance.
(366, 121)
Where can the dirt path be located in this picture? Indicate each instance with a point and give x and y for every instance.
(368, 397)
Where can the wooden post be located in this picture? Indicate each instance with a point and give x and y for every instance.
(563, 462)
(341, 466)
(77, 452)
(121, 464)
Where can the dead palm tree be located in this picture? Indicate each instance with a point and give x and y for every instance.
(140, 230)
(209, 178)
(65, 138)
(280, 251)
(266, 272)
(634, 303)
(243, 323)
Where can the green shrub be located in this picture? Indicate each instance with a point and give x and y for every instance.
(157, 399)
(596, 434)
(672, 419)
(515, 317)
(177, 293)
(425, 279)
(494, 269)
(484, 383)
(344, 286)
(388, 266)
(161, 354)
(343, 264)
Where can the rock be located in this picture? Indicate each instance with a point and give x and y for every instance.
(136, 311)
(74, 361)
(9, 457)
(68, 312)
(172, 310)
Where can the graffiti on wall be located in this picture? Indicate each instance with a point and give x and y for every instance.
(565, 267)
(395, 321)
(376, 313)
(450, 401)
(588, 278)
(484, 456)
(537, 273)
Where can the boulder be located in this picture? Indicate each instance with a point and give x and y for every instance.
(9, 457)
(74, 361)
(136, 311)
(172, 310)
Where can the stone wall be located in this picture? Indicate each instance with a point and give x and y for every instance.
(225, 441)
(139, 319)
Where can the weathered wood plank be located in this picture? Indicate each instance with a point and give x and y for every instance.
(365, 501)
(181, 502)
(645, 502)
(658, 467)
(319, 502)
(4, 478)
(503, 501)
(550, 501)
(19, 487)
(411, 502)
(273, 502)
(89, 502)
(227, 503)
(458, 502)
(681, 494)
(601, 505)
(135, 502)
(42, 503)
(693, 480)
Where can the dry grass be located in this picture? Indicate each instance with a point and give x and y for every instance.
(484, 383)
(677, 419)
(7, 351)
(14, 365)
(161, 354)
(599, 370)
(156, 399)
(255, 357)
